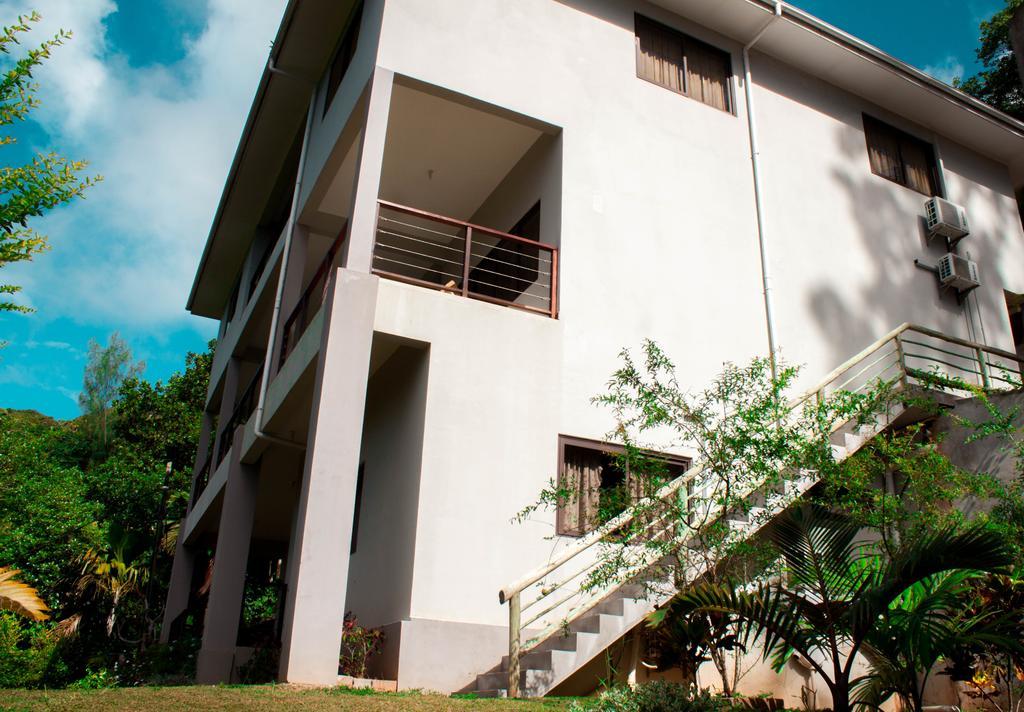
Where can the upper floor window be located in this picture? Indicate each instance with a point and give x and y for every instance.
(683, 64)
(902, 158)
(343, 56)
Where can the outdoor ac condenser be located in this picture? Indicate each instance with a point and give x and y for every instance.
(946, 219)
(958, 272)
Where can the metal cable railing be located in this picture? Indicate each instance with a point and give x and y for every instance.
(563, 589)
(309, 303)
(455, 256)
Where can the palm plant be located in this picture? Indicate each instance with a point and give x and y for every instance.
(927, 623)
(19, 597)
(112, 572)
(836, 592)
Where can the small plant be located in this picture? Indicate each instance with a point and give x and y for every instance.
(95, 680)
(657, 696)
(358, 645)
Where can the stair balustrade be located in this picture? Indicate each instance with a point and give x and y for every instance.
(552, 596)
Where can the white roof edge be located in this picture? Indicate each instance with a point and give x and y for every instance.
(968, 102)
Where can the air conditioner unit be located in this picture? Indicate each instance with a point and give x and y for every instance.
(946, 219)
(958, 272)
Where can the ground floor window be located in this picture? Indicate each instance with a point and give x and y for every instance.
(597, 484)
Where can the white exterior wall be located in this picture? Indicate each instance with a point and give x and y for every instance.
(657, 234)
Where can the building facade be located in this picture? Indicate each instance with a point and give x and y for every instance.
(445, 220)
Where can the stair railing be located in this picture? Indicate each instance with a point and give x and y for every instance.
(908, 355)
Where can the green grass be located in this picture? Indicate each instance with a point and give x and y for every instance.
(255, 697)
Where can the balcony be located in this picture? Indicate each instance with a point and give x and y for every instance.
(455, 256)
(246, 404)
(311, 301)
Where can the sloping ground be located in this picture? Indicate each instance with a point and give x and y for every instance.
(254, 697)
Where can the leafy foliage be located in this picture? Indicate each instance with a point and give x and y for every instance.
(48, 180)
(20, 598)
(655, 697)
(106, 371)
(82, 525)
(999, 83)
(358, 646)
(836, 596)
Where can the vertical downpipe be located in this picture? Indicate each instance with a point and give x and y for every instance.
(275, 317)
(755, 160)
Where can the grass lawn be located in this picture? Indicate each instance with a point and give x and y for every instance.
(254, 697)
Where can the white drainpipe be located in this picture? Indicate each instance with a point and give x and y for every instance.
(275, 316)
(755, 160)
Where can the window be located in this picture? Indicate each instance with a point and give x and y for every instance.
(683, 64)
(343, 56)
(598, 486)
(902, 158)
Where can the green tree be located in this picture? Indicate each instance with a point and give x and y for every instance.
(999, 83)
(47, 516)
(49, 180)
(107, 369)
(835, 595)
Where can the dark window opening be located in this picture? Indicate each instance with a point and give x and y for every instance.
(508, 267)
(358, 508)
(897, 156)
(594, 487)
(683, 64)
(343, 56)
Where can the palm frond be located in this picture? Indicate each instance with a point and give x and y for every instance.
(19, 597)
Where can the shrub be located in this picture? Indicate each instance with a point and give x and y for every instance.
(358, 645)
(27, 653)
(657, 696)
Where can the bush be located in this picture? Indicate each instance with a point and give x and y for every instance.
(28, 653)
(358, 645)
(658, 696)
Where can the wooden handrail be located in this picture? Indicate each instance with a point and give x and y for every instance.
(462, 223)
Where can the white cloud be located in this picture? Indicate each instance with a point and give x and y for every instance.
(162, 136)
(946, 70)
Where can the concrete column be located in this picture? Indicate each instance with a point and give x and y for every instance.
(358, 247)
(319, 557)
(224, 606)
(180, 585)
(293, 285)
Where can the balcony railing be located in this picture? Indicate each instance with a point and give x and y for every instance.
(202, 477)
(240, 416)
(309, 303)
(455, 256)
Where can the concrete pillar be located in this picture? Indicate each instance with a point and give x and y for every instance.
(180, 585)
(293, 286)
(358, 248)
(319, 557)
(224, 606)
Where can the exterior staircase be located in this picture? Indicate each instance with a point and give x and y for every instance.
(576, 624)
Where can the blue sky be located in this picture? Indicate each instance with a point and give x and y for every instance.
(154, 93)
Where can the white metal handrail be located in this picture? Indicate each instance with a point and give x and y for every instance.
(992, 365)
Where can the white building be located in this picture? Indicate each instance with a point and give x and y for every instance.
(380, 405)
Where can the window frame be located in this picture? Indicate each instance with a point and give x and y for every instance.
(873, 124)
(685, 39)
(607, 448)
